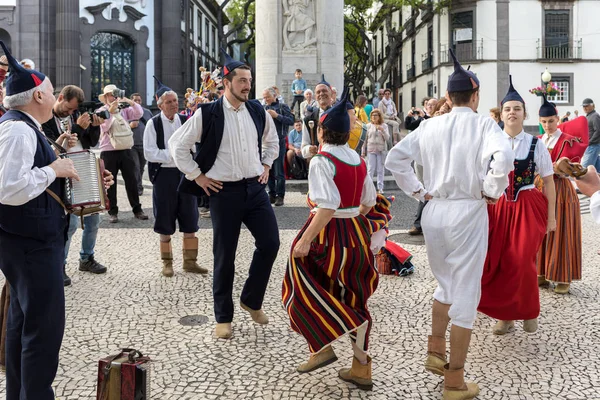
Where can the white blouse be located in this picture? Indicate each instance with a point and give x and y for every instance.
(541, 156)
(322, 189)
(551, 140)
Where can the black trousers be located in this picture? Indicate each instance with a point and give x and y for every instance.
(36, 317)
(122, 160)
(417, 223)
(240, 202)
(140, 163)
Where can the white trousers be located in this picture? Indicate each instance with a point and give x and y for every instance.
(375, 164)
(456, 237)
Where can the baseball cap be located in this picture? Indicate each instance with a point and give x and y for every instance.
(587, 102)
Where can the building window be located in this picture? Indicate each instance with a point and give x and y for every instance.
(214, 49)
(206, 36)
(556, 34)
(413, 98)
(462, 35)
(564, 84)
(199, 28)
(112, 62)
(430, 89)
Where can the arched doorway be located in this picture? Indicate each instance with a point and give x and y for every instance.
(112, 62)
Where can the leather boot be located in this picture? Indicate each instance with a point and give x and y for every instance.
(562, 288)
(166, 254)
(503, 327)
(436, 355)
(455, 387)
(530, 325)
(190, 255)
(66, 279)
(359, 374)
(321, 359)
(542, 282)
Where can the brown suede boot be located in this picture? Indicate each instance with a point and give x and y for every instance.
(436, 355)
(542, 282)
(190, 255)
(455, 387)
(166, 254)
(321, 359)
(359, 374)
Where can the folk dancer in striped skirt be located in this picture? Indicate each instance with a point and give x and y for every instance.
(518, 223)
(331, 273)
(559, 258)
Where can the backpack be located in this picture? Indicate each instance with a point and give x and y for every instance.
(120, 134)
(298, 168)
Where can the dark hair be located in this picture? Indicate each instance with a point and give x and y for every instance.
(71, 92)
(387, 90)
(298, 120)
(463, 97)
(496, 112)
(233, 73)
(298, 70)
(213, 96)
(333, 137)
(135, 94)
(361, 101)
(425, 100)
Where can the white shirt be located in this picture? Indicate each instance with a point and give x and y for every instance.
(550, 140)
(595, 206)
(322, 189)
(151, 150)
(306, 142)
(237, 157)
(456, 151)
(19, 182)
(541, 156)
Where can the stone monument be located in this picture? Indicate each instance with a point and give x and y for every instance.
(305, 34)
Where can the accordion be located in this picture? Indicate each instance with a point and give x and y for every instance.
(124, 376)
(88, 195)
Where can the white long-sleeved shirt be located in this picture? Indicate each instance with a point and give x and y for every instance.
(306, 142)
(550, 140)
(595, 206)
(462, 153)
(19, 182)
(322, 189)
(237, 157)
(541, 156)
(151, 150)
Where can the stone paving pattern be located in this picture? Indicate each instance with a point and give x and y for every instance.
(132, 305)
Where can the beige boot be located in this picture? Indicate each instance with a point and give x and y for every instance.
(562, 288)
(436, 355)
(325, 357)
(257, 316)
(542, 282)
(455, 387)
(359, 374)
(503, 327)
(223, 330)
(166, 254)
(530, 325)
(190, 255)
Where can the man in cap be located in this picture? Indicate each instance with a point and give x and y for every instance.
(120, 160)
(32, 234)
(325, 98)
(455, 222)
(592, 153)
(170, 206)
(238, 144)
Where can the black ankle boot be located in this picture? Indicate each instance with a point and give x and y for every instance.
(66, 279)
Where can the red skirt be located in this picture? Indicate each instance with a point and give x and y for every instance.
(509, 288)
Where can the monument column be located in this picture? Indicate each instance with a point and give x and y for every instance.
(268, 43)
(171, 47)
(67, 44)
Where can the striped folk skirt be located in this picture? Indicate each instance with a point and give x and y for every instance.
(559, 258)
(325, 293)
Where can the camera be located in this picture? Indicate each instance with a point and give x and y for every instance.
(90, 107)
(416, 112)
(123, 105)
(118, 93)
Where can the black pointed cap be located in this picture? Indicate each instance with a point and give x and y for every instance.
(324, 82)
(547, 109)
(461, 79)
(512, 94)
(230, 63)
(161, 88)
(336, 118)
(20, 79)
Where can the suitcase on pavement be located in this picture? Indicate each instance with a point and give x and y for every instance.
(124, 376)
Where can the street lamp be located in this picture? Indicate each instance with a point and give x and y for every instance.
(546, 77)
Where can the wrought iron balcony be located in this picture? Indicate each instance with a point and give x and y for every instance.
(470, 51)
(561, 51)
(410, 71)
(409, 26)
(426, 61)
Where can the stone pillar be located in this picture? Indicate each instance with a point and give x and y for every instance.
(281, 47)
(67, 44)
(171, 51)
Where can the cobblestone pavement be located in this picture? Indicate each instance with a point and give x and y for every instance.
(132, 305)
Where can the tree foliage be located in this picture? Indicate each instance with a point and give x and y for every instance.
(241, 16)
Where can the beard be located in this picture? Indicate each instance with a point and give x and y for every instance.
(240, 96)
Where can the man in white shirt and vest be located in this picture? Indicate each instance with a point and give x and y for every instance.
(238, 144)
(455, 221)
(170, 206)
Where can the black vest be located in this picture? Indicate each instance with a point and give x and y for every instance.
(213, 125)
(41, 218)
(154, 168)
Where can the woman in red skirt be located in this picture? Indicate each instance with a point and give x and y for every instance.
(331, 273)
(559, 258)
(518, 223)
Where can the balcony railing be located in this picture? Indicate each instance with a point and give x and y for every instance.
(409, 26)
(426, 61)
(562, 51)
(471, 51)
(410, 71)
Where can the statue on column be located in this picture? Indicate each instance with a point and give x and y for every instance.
(299, 29)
